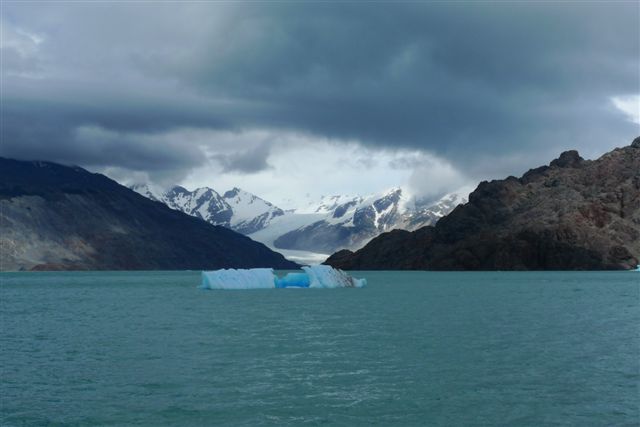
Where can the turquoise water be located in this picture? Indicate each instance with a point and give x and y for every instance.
(412, 348)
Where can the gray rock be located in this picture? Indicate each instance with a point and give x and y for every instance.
(572, 215)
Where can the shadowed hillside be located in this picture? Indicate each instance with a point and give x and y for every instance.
(54, 217)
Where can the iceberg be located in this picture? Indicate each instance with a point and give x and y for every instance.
(315, 276)
(293, 280)
(256, 278)
(324, 276)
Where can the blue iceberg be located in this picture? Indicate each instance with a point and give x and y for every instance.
(315, 276)
(324, 276)
(256, 278)
(293, 280)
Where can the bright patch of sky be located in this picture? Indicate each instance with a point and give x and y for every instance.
(301, 168)
(629, 105)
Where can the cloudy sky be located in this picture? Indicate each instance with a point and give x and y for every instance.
(289, 98)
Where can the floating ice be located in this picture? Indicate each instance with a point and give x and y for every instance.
(256, 278)
(293, 280)
(324, 276)
(315, 276)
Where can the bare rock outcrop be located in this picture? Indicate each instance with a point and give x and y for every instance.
(574, 214)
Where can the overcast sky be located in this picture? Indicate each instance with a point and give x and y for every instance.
(289, 98)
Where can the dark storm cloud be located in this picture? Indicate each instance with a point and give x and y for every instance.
(247, 161)
(468, 81)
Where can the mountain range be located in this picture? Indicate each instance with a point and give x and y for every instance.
(573, 214)
(235, 209)
(314, 230)
(55, 217)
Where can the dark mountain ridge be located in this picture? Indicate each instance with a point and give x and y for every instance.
(56, 217)
(574, 214)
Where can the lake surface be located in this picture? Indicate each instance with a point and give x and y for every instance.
(412, 348)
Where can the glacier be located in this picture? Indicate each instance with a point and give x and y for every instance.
(314, 276)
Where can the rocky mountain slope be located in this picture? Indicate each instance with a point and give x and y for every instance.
(574, 214)
(57, 217)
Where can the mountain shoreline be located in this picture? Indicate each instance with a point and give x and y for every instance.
(573, 214)
(55, 217)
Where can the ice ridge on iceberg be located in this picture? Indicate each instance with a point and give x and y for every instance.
(256, 278)
(315, 276)
(325, 276)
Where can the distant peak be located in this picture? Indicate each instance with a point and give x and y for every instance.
(636, 143)
(568, 159)
(232, 193)
(393, 190)
(203, 190)
(179, 188)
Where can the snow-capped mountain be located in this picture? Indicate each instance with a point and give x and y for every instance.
(235, 209)
(146, 191)
(204, 202)
(429, 213)
(318, 227)
(350, 222)
(327, 204)
(250, 212)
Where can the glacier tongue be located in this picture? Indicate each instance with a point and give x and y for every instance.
(315, 276)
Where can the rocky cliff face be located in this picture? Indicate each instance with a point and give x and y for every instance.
(55, 217)
(574, 214)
